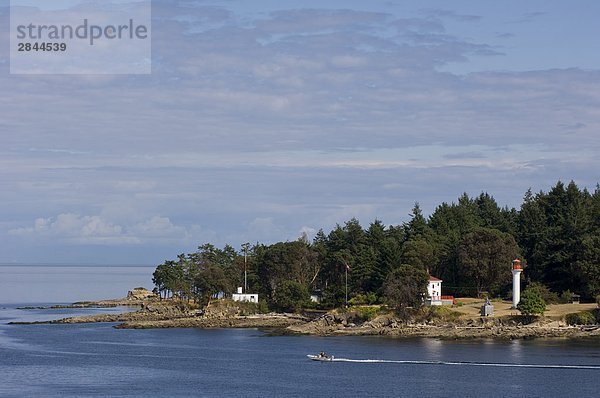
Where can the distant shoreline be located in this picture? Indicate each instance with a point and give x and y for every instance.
(74, 265)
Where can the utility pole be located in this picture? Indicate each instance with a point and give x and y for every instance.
(245, 248)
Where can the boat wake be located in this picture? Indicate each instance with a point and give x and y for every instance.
(460, 363)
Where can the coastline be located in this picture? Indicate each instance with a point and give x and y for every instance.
(457, 332)
(159, 314)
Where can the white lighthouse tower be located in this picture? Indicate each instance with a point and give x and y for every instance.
(517, 268)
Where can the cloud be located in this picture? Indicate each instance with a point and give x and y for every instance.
(365, 212)
(255, 126)
(317, 21)
(505, 35)
(529, 17)
(264, 229)
(96, 230)
(419, 25)
(74, 227)
(572, 126)
(465, 155)
(159, 227)
(442, 13)
(309, 232)
(380, 90)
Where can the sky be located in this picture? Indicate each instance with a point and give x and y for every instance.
(262, 120)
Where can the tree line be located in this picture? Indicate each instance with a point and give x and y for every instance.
(469, 244)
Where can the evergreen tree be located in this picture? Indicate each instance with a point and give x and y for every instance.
(486, 254)
(286, 261)
(490, 215)
(450, 223)
(417, 226)
(376, 240)
(405, 287)
(531, 230)
(419, 248)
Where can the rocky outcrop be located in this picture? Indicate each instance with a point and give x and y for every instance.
(278, 321)
(153, 310)
(140, 293)
(388, 325)
(168, 310)
(221, 310)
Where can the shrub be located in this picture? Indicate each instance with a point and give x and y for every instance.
(549, 296)
(367, 313)
(598, 300)
(436, 313)
(263, 307)
(445, 313)
(359, 314)
(357, 300)
(360, 299)
(246, 308)
(566, 297)
(372, 298)
(581, 318)
(332, 297)
(532, 303)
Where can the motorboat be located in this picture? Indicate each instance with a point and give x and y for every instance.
(322, 357)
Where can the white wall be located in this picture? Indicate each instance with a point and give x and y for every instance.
(434, 288)
(252, 298)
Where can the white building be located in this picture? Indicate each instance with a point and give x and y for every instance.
(315, 296)
(434, 293)
(434, 288)
(249, 297)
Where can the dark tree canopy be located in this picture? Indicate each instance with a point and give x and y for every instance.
(406, 286)
(291, 296)
(468, 243)
(486, 255)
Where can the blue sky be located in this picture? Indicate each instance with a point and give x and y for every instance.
(264, 119)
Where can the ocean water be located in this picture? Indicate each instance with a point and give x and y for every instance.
(69, 283)
(96, 360)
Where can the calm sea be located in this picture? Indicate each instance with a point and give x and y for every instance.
(70, 283)
(99, 361)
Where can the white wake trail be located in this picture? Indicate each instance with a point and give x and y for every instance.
(458, 363)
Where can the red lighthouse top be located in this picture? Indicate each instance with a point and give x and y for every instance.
(516, 264)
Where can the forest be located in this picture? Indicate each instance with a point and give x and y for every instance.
(469, 244)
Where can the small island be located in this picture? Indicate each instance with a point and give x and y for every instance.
(470, 269)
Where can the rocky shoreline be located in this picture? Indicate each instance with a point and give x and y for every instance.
(267, 321)
(329, 326)
(154, 313)
(387, 325)
(89, 304)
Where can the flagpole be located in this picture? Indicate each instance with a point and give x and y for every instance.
(346, 267)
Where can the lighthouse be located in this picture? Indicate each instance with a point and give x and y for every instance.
(517, 268)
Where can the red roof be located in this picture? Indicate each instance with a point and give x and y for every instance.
(434, 279)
